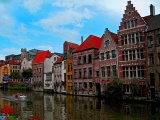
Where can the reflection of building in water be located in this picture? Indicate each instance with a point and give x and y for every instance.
(48, 107)
(38, 105)
(59, 107)
(78, 108)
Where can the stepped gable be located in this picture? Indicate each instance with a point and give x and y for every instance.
(92, 42)
(154, 23)
(132, 13)
(59, 60)
(41, 56)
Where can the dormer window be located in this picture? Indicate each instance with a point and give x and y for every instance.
(107, 42)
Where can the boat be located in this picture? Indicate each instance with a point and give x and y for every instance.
(20, 96)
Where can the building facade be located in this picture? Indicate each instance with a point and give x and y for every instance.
(57, 70)
(108, 59)
(153, 55)
(48, 72)
(131, 47)
(83, 66)
(38, 70)
(68, 48)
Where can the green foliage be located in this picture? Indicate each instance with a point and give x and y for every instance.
(134, 85)
(27, 73)
(114, 89)
(15, 75)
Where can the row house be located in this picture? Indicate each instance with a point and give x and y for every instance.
(4, 73)
(131, 49)
(57, 70)
(108, 59)
(84, 58)
(153, 54)
(14, 68)
(48, 72)
(68, 48)
(38, 70)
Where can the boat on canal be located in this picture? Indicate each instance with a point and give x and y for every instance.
(19, 96)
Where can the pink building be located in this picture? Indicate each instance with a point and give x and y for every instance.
(108, 59)
(84, 61)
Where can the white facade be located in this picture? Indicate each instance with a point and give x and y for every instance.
(48, 72)
(25, 64)
(63, 76)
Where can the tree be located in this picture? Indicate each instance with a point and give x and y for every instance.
(114, 89)
(134, 85)
(27, 73)
(15, 75)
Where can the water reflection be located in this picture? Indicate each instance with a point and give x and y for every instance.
(65, 107)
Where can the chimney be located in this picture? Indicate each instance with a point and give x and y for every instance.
(81, 39)
(152, 10)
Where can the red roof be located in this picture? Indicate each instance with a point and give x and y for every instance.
(12, 62)
(92, 42)
(59, 60)
(41, 56)
(72, 45)
(147, 18)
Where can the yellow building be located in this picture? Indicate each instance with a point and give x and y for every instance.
(69, 82)
(4, 73)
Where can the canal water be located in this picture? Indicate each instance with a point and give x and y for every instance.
(66, 107)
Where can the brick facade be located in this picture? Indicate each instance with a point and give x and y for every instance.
(131, 47)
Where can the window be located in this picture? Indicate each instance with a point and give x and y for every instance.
(158, 39)
(129, 39)
(90, 85)
(84, 59)
(80, 74)
(85, 85)
(85, 72)
(125, 72)
(69, 68)
(128, 24)
(80, 85)
(107, 42)
(113, 54)
(79, 60)
(140, 71)
(132, 37)
(133, 72)
(102, 56)
(150, 41)
(75, 73)
(151, 59)
(125, 55)
(125, 25)
(107, 55)
(90, 73)
(97, 73)
(90, 58)
(103, 71)
(48, 77)
(114, 70)
(69, 78)
(125, 40)
(132, 55)
(122, 39)
(108, 71)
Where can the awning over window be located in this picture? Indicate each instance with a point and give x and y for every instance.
(6, 78)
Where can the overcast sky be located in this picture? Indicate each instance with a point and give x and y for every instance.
(46, 24)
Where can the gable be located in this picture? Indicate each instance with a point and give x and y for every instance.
(131, 17)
